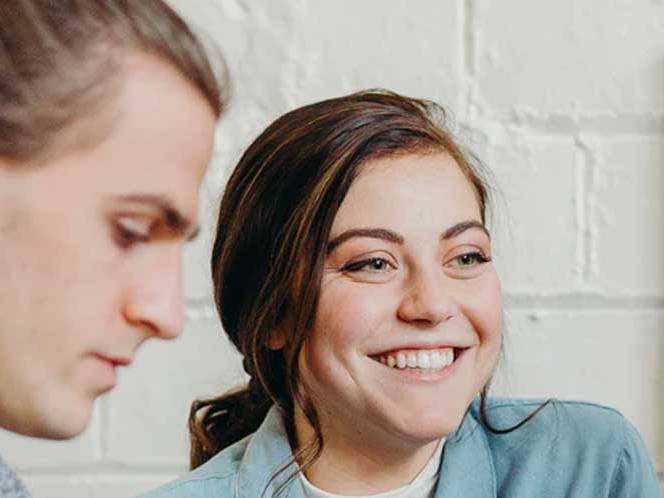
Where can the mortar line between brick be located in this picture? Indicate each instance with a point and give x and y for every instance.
(467, 63)
(468, 38)
(590, 170)
(581, 216)
(580, 302)
(589, 125)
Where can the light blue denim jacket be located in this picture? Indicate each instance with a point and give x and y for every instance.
(570, 449)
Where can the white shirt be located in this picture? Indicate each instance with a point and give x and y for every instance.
(423, 486)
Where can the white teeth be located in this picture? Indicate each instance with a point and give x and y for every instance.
(412, 360)
(429, 360)
(436, 360)
(423, 360)
(401, 360)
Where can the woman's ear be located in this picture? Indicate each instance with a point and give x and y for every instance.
(277, 340)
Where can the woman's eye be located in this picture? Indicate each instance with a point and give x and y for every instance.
(129, 231)
(375, 265)
(469, 259)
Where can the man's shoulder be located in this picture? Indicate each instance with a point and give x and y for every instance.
(216, 478)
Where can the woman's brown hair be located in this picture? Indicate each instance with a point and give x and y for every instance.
(60, 63)
(271, 242)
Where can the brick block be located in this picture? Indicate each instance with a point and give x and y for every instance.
(535, 212)
(609, 357)
(626, 207)
(343, 46)
(147, 417)
(568, 56)
(253, 37)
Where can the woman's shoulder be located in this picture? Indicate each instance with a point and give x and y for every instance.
(593, 443)
(580, 425)
(215, 478)
(564, 414)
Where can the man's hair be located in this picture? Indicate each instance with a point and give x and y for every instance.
(60, 63)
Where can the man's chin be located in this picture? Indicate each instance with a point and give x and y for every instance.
(65, 421)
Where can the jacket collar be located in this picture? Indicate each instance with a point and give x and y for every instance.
(267, 451)
(467, 466)
(466, 471)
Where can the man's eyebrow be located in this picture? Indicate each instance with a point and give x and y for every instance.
(375, 233)
(461, 227)
(172, 218)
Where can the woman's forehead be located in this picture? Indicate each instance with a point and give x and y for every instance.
(407, 188)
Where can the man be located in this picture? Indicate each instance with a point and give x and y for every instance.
(109, 109)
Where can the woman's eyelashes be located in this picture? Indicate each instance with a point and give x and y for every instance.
(464, 264)
(374, 264)
(469, 260)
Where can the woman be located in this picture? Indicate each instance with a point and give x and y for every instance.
(352, 269)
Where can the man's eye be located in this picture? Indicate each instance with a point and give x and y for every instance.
(129, 231)
(375, 265)
(469, 259)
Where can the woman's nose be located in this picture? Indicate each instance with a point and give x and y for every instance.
(426, 301)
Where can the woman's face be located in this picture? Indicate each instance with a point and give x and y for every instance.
(409, 322)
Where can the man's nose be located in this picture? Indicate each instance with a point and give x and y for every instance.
(155, 301)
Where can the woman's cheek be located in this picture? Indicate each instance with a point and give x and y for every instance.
(483, 306)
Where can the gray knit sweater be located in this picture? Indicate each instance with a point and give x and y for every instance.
(10, 485)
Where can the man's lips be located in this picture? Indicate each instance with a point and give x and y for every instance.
(115, 361)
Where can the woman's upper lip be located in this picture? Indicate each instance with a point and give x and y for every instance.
(423, 346)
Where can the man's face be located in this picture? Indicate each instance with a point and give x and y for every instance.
(90, 251)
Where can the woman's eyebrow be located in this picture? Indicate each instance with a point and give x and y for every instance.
(396, 238)
(461, 227)
(375, 233)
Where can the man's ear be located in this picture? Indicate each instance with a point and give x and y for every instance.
(277, 340)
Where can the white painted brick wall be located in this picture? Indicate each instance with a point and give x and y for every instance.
(565, 103)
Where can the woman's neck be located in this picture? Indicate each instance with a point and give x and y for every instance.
(351, 465)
